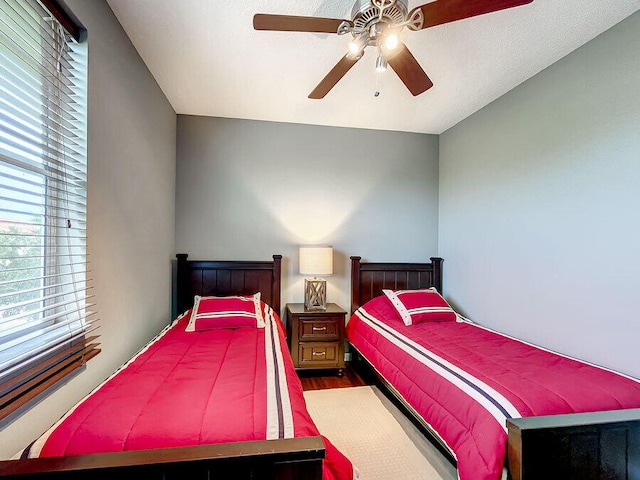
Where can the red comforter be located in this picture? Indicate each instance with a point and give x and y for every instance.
(465, 381)
(191, 388)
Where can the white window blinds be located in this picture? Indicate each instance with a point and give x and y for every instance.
(46, 316)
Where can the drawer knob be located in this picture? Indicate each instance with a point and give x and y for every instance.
(319, 329)
(316, 354)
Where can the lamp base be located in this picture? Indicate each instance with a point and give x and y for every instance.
(315, 294)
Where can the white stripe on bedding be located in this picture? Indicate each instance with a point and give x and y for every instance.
(279, 415)
(282, 377)
(491, 400)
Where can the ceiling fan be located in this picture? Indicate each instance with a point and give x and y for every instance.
(377, 23)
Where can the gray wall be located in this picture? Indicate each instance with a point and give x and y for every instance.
(248, 189)
(131, 191)
(539, 224)
(538, 203)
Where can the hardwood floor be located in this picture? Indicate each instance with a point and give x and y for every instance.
(319, 380)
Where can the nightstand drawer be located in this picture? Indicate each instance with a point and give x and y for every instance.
(316, 337)
(325, 329)
(318, 354)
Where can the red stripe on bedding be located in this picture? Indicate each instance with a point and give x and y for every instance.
(188, 388)
(533, 380)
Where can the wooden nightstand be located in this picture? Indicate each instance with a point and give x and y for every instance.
(316, 337)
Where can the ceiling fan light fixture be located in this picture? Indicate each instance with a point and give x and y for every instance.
(354, 48)
(381, 63)
(391, 41)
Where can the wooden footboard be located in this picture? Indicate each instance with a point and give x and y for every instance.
(289, 459)
(585, 446)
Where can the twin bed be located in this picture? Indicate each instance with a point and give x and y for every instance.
(493, 403)
(215, 395)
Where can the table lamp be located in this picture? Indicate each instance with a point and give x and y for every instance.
(315, 261)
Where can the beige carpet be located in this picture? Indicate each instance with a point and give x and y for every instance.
(374, 435)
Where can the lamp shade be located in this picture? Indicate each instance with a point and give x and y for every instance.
(316, 260)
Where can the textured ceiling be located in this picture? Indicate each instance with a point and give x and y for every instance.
(208, 59)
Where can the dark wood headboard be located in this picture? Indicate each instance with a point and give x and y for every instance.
(368, 279)
(222, 278)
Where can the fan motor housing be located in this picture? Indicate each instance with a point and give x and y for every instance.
(365, 13)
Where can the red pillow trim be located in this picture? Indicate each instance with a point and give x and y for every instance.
(423, 305)
(225, 312)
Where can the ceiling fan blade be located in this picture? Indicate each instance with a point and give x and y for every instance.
(445, 11)
(289, 23)
(334, 76)
(409, 70)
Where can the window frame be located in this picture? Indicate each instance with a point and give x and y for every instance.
(47, 370)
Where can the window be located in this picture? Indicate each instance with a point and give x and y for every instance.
(47, 327)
